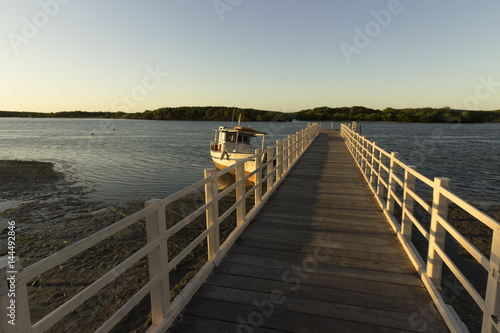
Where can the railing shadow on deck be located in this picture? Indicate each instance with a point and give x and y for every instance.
(280, 159)
(380, 170)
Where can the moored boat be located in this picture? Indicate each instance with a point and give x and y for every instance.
(232, 145)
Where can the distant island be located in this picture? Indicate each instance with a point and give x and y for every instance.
(222, 113)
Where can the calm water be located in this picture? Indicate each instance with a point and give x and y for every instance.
(138, 159)
(468, 154)
(124, 159)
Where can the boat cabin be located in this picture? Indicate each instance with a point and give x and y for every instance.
(237, 140)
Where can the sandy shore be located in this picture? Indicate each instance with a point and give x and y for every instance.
(52, 214)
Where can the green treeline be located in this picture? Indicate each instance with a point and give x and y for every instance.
(216, 113)
(221, 113)
(421, 115)
(62, 114)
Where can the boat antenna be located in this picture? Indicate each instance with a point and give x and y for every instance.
(232, 117)
(239, 120)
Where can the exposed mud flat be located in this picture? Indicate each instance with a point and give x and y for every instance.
(53, 214)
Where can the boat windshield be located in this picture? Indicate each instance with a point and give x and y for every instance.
(231, 137)
(244, 139)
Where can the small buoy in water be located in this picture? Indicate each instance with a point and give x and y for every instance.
(92, 133)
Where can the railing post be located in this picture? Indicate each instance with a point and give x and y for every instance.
(15, 317)
(270, 166)
(240, 194)
(391, 186)
(408, 202)
(301, 142)
(156, 228)
(304, 140)
(492, 299)
(437, 231)
(366, 155)
(212, 214)
(285, 156)
(279, 158)
(372, 169)
(358, 150)
(363, 154)
(381, 174)
(296, 147)
(258, 176)
(355, 148)
(289, 151)
(361, 151)
(305, 135)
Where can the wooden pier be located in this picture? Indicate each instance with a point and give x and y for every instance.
(318, 257)
(322, 249)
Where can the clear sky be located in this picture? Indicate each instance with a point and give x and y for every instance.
(283, 55)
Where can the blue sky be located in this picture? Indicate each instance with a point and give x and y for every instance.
(282, 55)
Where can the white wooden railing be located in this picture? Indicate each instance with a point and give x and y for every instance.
(280, 159)
(380, 170)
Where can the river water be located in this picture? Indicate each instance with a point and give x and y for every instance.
(130, 160)
(467, 154)
(124, 160)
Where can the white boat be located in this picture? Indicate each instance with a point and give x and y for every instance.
(232, 145)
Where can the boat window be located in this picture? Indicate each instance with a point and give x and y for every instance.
(231, 137)
(244, 139)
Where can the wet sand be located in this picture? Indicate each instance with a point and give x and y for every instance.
(54, 214)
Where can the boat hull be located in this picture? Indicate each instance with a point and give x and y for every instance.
(230, 159)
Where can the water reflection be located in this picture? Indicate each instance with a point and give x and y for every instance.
(225, 181)
(229, 179)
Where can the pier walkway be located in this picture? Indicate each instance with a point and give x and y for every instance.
(319, 257)
(325, 241)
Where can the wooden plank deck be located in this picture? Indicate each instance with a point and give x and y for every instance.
(319, 257)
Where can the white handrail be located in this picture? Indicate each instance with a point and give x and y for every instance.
(288, 152)
(429, 271)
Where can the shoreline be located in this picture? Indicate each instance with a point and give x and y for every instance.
(54, 214)
(50, 214)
